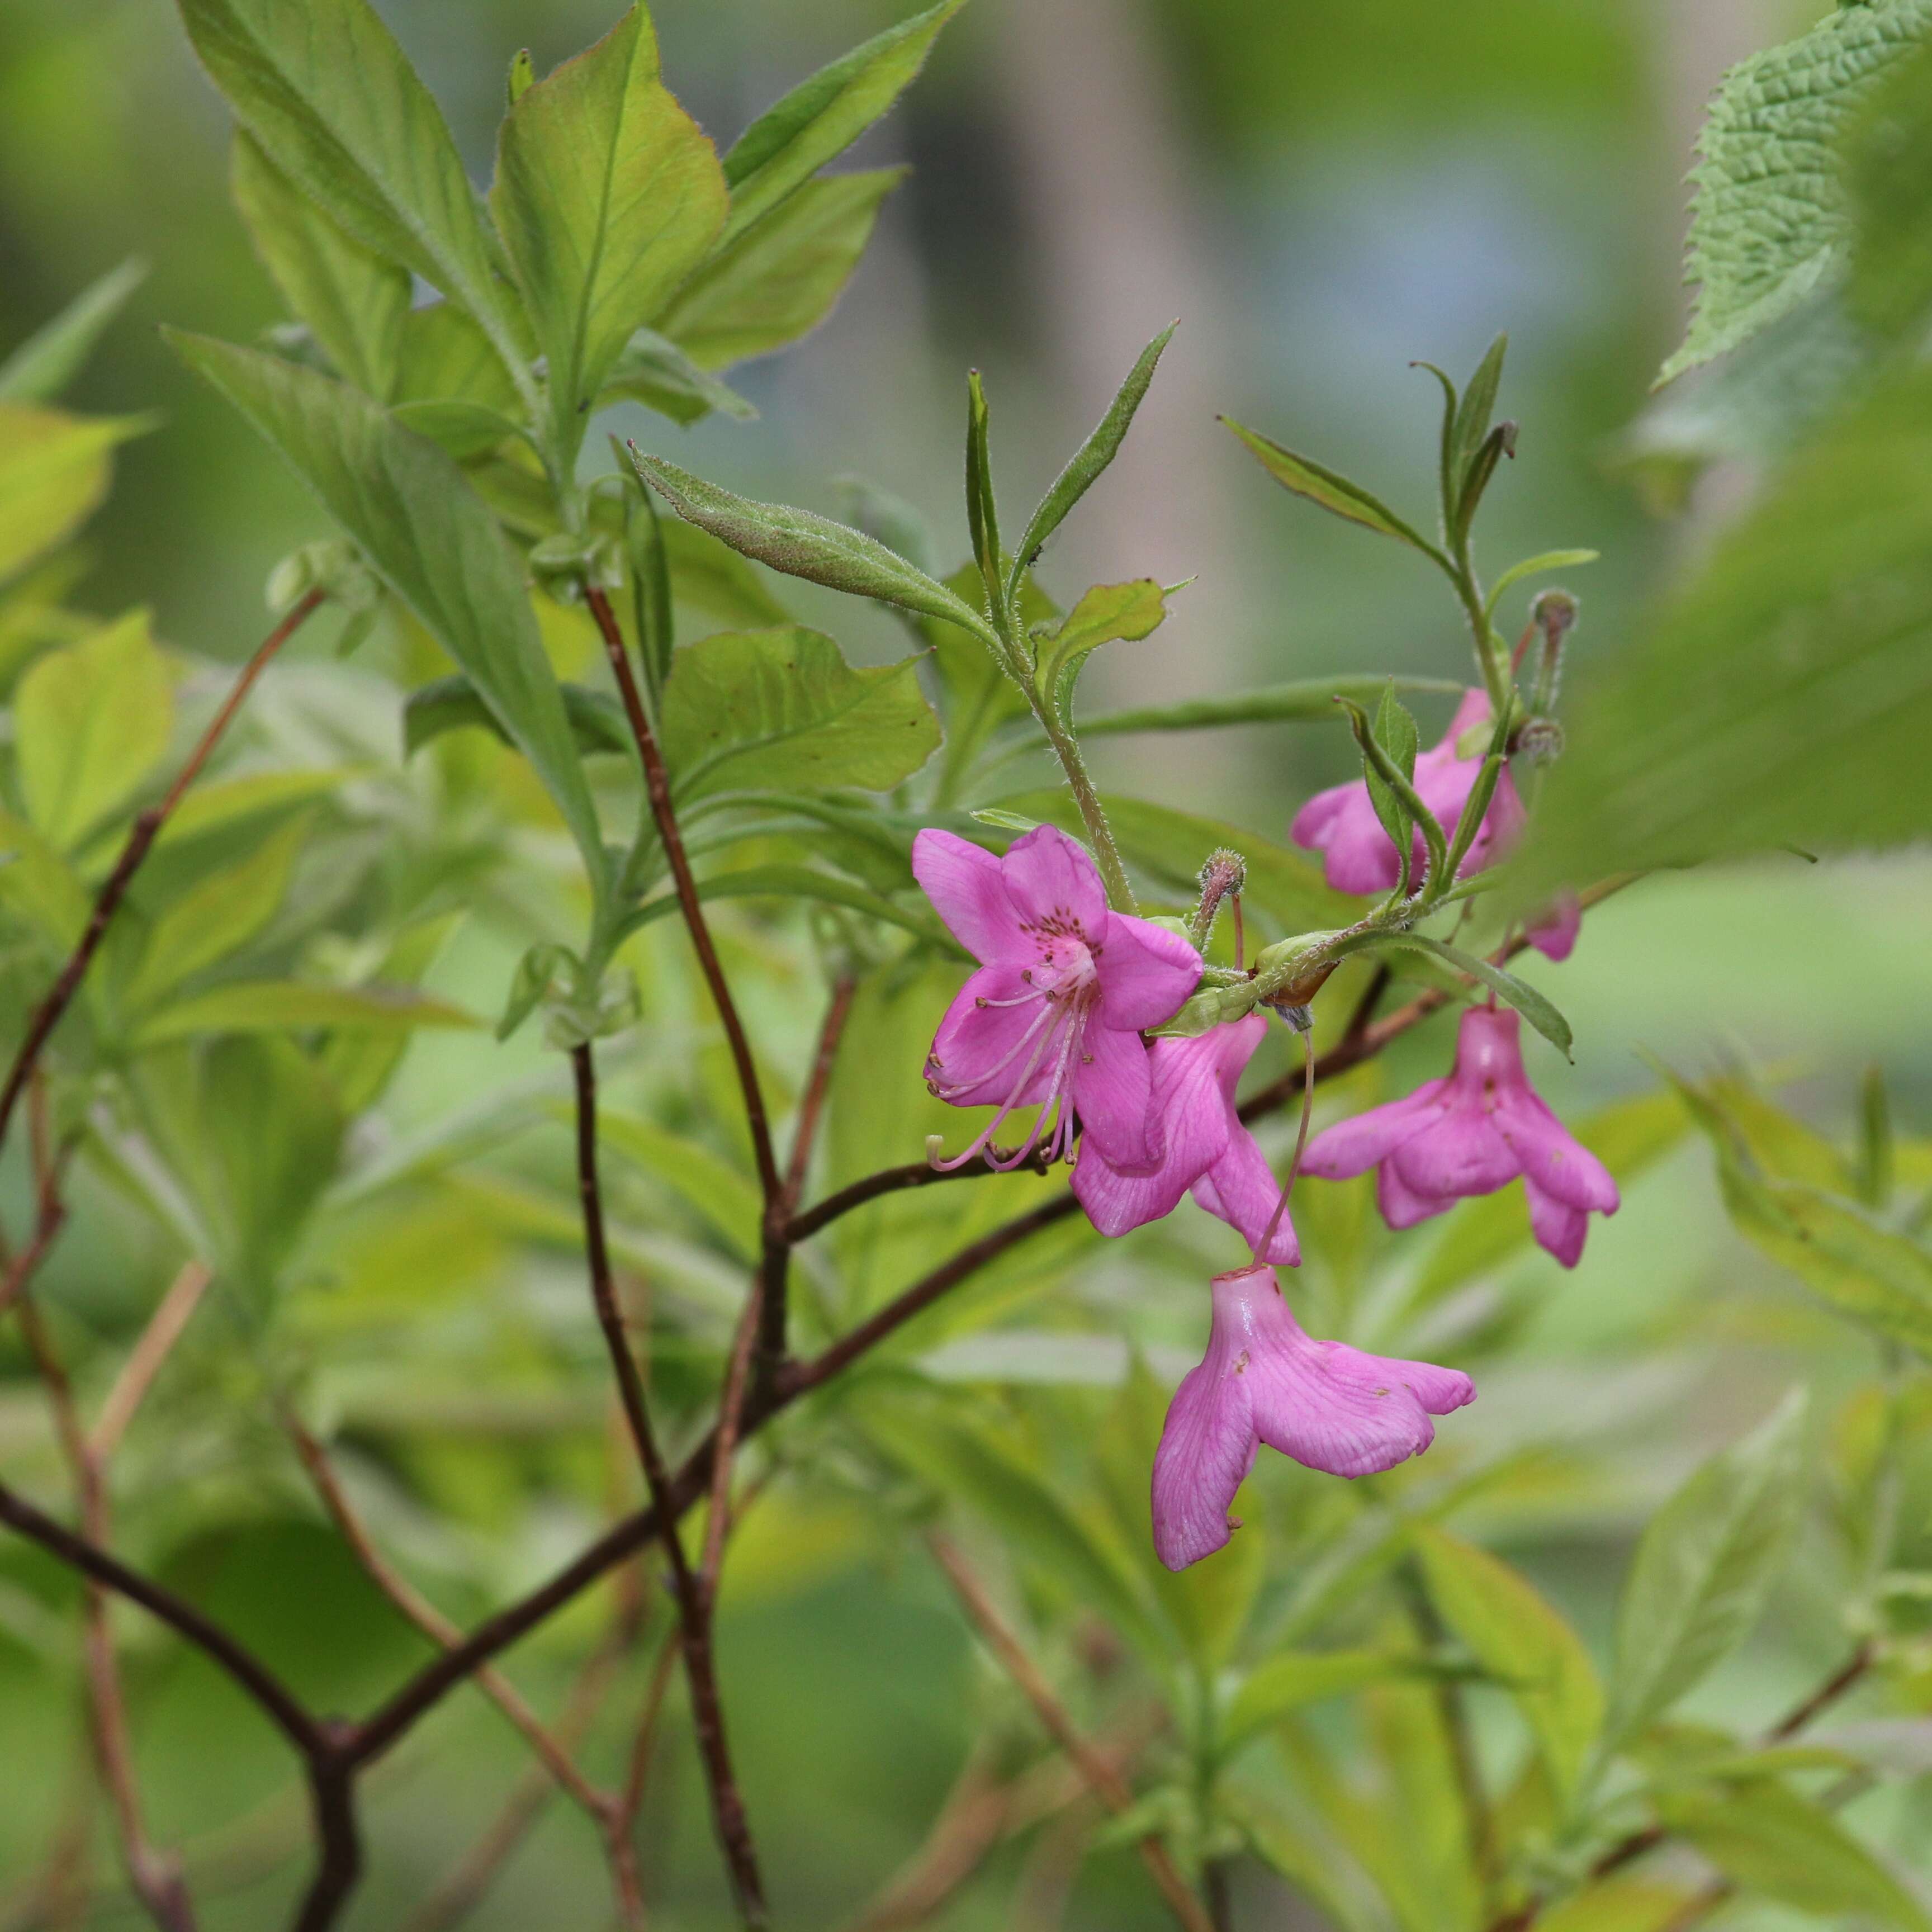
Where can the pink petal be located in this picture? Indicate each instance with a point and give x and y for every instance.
(963, 883)
(1361, 857)
(1112, 1086)
(1502, 826)
(1561, 1166)
(1189, 1127)
(983, 1048)
(1554, 935)
(1352, 1146)
(1051, 879)
(1439, 1390)
(1146, 972)
(1206, 1448)
(1461, 1153)
(1558, 1226)
(1241, 1189)
(1311, 823)
(1402, 1207)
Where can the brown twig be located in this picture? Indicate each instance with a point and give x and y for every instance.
(146, 829)
(1106, 1782)
(657, 787)
(707, 1710)
(164, 1329)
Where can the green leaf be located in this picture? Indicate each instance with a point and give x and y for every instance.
(1702, 1567)
(1888, 160)
(1621, 1905)
(92, 720)
(360, 1063)
(1396, 732)
(1838, 1247)
(324, 89)
(39, 885)
(426, 533)
(1767, 1839)
(1627, 1136)
(1519, 1640)
(1292, 1678)
(653, 370)
(1785, 696)
(607, 195)
(1534, 566)
(710, 576)
(213, 807)
(1307, 701)
(781, 709)
(1307, 478)
(1517, 993)
(54, 471)
(1769, 227)
(778, 280)
(982, 515)
(44, 365)
(1109, 614)
(217, 916)
(597, 720)
(797, 882)
(1170, 846)
(803, 544)
(821, 119)
(1470, 428)
(352, 299)
(1092, 460)
(726, 1197)
(289, 1006)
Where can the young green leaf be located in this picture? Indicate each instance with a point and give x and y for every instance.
(778, 280)
(44, 365)
(781, 709)
(1396, 732)
(1109, 614)
(1533, 566)
(352, 300)
(289, 1006)
(1309, 700)
(1307, 478)
(1769, 227)
(822, 117)
(983, 514)
(39, 885)
(652, 370)
(597, 720)
(521, 77)
(1292, 1679)
(1470, 428)
(1765, 1838)
(607, 196)
(54, 471)
(1702, 1568)
(423, 530)
(92, 720)
(711, 577)
(802, 543)
(1092, 459)
(1513, 992)
(334, 104)
(1519, 1640)
(797, 882)
(217, 916)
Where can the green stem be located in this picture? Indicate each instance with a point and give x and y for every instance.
(1113, 872)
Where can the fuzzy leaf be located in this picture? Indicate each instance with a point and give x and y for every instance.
(1307, 478)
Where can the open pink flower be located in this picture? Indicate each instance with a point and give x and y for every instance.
(1471, 1132)
(1361, 857)
(1263, 1380)
(1200, 1144)
(1054, 1016)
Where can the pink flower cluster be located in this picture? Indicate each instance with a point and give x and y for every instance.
(1054, 1019)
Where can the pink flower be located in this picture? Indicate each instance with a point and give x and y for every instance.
(1553, 933)
(1263, 1380)
(1471, 1133)
(1201, 1145)
(1361, 857)
(1065, 986)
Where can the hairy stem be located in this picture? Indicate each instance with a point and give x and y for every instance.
(147, 829)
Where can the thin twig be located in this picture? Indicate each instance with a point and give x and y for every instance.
(707, 1710)
(172, 1315)
(1107, 1783)
(146, 829)
(657, 787)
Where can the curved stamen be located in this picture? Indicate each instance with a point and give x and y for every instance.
(1007, 1106)
(1000, 1066)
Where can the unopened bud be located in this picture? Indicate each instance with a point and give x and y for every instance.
(330, 566)
(1540, 741)
(1223, 877)
(1553, 614)
(562, 564)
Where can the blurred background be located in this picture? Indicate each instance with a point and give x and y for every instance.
(1322, 194)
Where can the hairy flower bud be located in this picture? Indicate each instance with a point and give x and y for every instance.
(1541, 740)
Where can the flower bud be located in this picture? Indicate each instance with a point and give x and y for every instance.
(562, 564)
(1553, 613)
(331, 566)
(1541, 740)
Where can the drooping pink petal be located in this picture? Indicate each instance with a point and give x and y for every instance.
(1463, 1153)
(1551, 1156)
(1241, 1189)
(964, 884)
(1053, 883)
(1112, 1087)
(1353, 1146)
(1329, 1406)
(1558, 1228)
(1554, 933)
(1402, 1207)
(985, 1043)
(1146, 972)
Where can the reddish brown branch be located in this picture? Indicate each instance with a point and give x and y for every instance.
(147, 828)
(707, 1710)
(657, 787)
